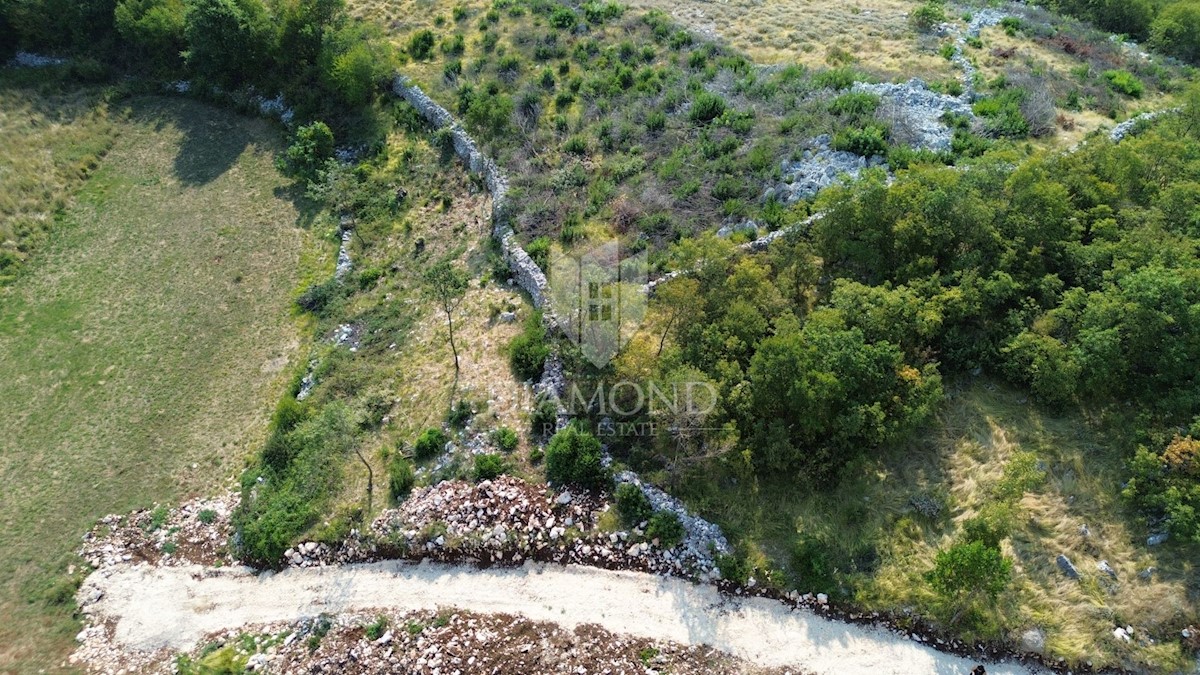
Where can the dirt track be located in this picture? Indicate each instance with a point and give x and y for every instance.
(174, 607)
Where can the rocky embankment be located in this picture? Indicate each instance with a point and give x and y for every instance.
(431, 643)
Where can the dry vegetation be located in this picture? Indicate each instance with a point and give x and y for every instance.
(142, 347)
(445, 215)
(49, 142)
(871, 33)
(871, 529)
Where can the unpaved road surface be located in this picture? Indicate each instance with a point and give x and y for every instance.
(175, 607)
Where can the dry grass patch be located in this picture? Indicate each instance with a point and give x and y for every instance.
(50, 140)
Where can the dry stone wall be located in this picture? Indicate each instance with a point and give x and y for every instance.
(528, 275)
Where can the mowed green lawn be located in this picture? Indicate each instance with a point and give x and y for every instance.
(142, 349)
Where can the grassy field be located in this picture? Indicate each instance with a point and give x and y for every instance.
(877, 546)
(142, 347)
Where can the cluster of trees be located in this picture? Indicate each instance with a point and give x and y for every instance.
(1076, 276)
(1172, 27)
(310, 50)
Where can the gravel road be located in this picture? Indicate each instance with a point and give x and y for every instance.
(175, 607)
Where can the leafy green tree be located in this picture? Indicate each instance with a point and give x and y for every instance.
(356, 59)
(822, 394)
(1045, 364)
(1167, 486)
(1176, 30)
(155, 29)
(228, 41)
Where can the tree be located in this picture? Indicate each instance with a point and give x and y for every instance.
(676, 301)
(447, 285)
(227, 40)
(154, 28)
(822, 394)
(969, 571)
(1176, 30)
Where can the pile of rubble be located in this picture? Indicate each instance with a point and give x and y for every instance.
(921, 111)
(819, 167)
(457, 642)
(196, 532)
(508, 520)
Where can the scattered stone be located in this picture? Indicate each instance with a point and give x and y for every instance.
(508, 317)
(1105, 568)
(1064, 564)
(1157, 538)
(1033, 640)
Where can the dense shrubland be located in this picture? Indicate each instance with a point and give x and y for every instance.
(1170, 26)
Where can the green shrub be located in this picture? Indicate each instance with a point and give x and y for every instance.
(320, 297)
(992, 526)
(656, 121)
(539, 250)
(420, 45)
(1124, 82)
(454, 45)
(1011, 25)
(835, 78)
(706, 107)
(573, 457)
(866, 141)
(632, 505)
(903, 156)
(927, 16)
(278, 505)
(505, 439)
(969, 570)
(563, 18)
(812, 563)
(576, 145)
(376, 628)
(544, 419)
(459, 414)
(207, 516)
(489, 466)
(666, 528)
(311, 148)
(858, 104)
(430, 443)
(734, 567)
(401, 478)
(528, 351)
